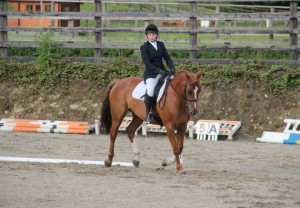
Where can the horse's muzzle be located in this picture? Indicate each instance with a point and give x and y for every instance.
(194, 112)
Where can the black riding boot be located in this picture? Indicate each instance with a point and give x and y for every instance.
(148, 102)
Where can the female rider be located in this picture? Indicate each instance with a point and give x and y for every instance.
(152, 52)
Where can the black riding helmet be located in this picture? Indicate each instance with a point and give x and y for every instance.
(152, 28)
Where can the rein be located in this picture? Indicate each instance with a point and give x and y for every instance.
(165, 93)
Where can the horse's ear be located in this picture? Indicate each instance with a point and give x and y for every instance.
(199, 73)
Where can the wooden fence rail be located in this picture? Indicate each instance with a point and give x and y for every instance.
(191, 18)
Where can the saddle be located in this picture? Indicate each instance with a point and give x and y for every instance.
(139, 93)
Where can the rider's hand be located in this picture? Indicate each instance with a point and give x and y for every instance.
(172, 71)
(163, 73)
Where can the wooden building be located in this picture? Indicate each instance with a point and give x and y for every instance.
(42, 6)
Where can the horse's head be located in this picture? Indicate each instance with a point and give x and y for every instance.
(191, 91)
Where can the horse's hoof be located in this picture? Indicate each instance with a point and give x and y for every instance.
(136, 163)
(160, 169)
(182, 173)
(164, 163)
(107, 164)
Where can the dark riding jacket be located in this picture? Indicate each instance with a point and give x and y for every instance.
(152, 59)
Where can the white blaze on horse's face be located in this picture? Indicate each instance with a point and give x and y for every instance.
(195, 96)
(191, 100)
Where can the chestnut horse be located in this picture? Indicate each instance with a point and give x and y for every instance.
(180, 102)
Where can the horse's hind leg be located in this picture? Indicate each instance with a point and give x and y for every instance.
(135, 123)
(113, 136)
(116, 122)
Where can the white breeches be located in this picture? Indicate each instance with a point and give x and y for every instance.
(150, 85)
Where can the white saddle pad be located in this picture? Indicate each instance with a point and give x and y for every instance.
(140, 90)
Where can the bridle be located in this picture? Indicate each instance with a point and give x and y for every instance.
(184, 95)
(190, 100)
(185, 100)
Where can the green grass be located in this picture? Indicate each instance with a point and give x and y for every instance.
(90, 7)
(87, 7)
(172, 39)
(10, 8)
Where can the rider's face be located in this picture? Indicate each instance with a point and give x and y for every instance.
(152, 37)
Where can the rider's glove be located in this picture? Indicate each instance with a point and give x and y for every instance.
(173, 71)
(163, 73)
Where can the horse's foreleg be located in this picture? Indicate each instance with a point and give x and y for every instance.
(180, 140)
(177, 147)
(169, 161)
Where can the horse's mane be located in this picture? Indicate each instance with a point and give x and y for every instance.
(185, 72)
(180, 74)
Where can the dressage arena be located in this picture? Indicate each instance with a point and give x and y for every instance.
(218, 174)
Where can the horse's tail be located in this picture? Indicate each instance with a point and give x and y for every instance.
(106, 119)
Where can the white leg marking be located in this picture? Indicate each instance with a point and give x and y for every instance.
(181, 158)
(170, 160)
(136, 151)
